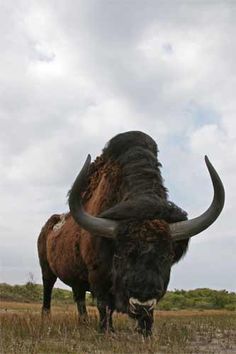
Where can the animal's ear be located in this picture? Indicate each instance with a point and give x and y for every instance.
(96, 226)
(179, 249)
(185, 229)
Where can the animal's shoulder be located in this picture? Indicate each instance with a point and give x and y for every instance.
(51, 222)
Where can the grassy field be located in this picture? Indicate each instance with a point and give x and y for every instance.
(22, 331)
(197, 299)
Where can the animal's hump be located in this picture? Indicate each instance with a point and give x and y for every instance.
(122, 142)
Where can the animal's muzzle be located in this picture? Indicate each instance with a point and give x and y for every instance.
(137, 307)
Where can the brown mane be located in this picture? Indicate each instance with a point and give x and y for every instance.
(104, 182)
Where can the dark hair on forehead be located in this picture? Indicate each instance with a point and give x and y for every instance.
(144, 194)
(121, 143)
(142, 190)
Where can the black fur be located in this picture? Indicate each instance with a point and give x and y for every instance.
(143, 194)
(144, 250)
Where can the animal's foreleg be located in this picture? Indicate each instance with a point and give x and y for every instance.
(79, 297)
(48, 284)
(145, 324)
(105, 309)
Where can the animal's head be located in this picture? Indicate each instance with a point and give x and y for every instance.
(141, 265)
(144, 249)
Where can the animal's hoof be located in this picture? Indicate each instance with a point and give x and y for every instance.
(46, 313)
(106, 330)
(84, 320)
(143, 331)
(147, 333)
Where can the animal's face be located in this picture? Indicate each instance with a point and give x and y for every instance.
(141, 266)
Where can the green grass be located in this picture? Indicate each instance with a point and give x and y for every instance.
(179, 299)
(31, 292)
(22, 331)
(198, 299)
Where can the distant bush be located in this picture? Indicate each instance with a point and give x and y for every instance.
(31, 292)
(230, 307)
(198, 299)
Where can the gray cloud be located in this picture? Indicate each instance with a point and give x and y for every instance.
(73, 74)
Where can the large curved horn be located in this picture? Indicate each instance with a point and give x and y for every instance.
(97, 226)
(185, 229)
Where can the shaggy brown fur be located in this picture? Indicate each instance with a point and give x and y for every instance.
(124, 184)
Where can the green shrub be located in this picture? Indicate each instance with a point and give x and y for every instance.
(178, 299)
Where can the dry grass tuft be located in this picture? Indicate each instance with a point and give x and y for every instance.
(22, 332)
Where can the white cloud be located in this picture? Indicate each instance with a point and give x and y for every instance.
(74, 74)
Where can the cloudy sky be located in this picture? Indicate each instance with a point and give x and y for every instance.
(75, 73)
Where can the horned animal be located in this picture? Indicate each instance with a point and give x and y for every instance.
(122, 234)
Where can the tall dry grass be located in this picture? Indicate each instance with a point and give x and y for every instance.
(22, 331)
